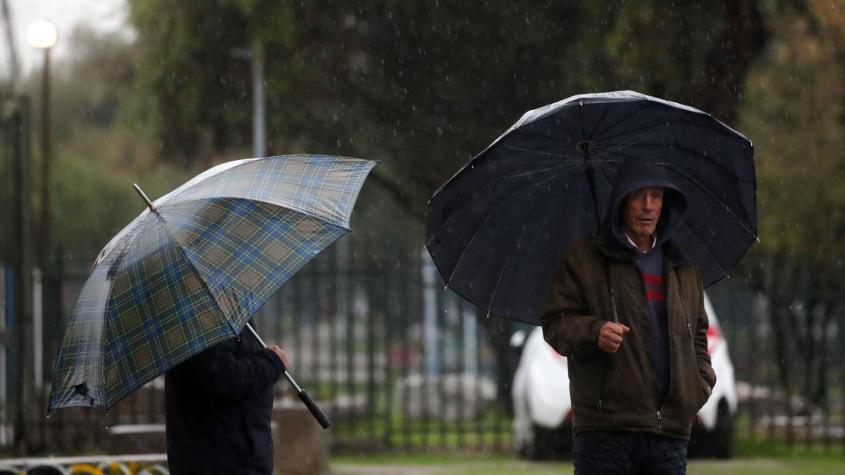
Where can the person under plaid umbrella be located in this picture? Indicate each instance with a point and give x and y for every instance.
(191, 270)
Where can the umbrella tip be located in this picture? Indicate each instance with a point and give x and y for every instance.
(144, 197)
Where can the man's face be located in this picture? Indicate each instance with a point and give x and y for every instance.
(641, 211)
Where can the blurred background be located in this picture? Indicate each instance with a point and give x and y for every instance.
(154, 91)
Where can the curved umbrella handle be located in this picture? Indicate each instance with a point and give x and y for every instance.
(303, 396)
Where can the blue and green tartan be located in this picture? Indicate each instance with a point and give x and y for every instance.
(190, 274)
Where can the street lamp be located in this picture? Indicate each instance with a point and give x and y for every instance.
(43, 35)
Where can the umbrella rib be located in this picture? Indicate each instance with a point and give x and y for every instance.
(714, 197)
(607, 177)
(510, 254)
(623, 119)
(717, 130)
(604, 172)
(707, 250)
(642, 132)
(639, 131)
(524, 132)
(194, 269)
(541, 152)
(581, 118)
(487, 218)
(175, 194)
(293, 208)
(598, 122)
(468, 200)
(709, 158)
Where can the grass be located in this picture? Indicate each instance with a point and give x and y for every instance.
(492, 429)
(752, 456)
(482, 464)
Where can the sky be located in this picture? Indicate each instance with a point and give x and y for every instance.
(104, 15)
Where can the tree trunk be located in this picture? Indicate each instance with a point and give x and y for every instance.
(730, 59)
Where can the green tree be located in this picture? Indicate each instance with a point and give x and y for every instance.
(99, 150)
(423, 85)
(793, 106)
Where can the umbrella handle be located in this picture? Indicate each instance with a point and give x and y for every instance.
(613, 312)
(315, 410)
(303, 396)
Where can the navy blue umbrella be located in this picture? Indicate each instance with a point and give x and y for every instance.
(496, 228)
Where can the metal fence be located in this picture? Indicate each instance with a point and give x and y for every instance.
(394, 359)
(399, 363)
(787, 346)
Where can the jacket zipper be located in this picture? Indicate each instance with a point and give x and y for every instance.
(615, 319)
(667, 273)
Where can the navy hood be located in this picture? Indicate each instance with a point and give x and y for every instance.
(635, 174)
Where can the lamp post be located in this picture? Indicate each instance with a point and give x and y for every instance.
(43, 35)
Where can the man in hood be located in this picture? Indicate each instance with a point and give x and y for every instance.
(627, 310)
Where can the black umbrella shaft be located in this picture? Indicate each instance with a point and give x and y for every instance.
(590, 171)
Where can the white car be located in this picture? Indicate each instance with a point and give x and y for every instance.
(542, 421)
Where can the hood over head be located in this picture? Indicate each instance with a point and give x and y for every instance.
(635, 174)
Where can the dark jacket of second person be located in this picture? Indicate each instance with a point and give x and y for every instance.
(219, 407)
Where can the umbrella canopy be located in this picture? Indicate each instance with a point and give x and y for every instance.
(496, 228)
(193, 268)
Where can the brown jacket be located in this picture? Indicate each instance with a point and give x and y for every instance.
(617, 391)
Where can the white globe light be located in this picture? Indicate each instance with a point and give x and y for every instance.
(42, 34)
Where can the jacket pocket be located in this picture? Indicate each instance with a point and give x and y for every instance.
(688, 388)
(706, 390)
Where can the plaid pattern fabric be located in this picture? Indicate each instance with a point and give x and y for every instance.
(317, 185)
(193, 272)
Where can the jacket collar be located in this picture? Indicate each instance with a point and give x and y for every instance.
(612, 249)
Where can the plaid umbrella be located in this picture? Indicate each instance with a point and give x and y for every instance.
(192, 269)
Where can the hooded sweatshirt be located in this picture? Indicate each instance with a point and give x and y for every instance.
(633, 175)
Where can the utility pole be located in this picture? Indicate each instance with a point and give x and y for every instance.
(14, 64)
(43, 35)
(18, 131)
(255, 55)
(259, 136)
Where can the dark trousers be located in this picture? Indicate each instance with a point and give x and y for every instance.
(629, 453)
